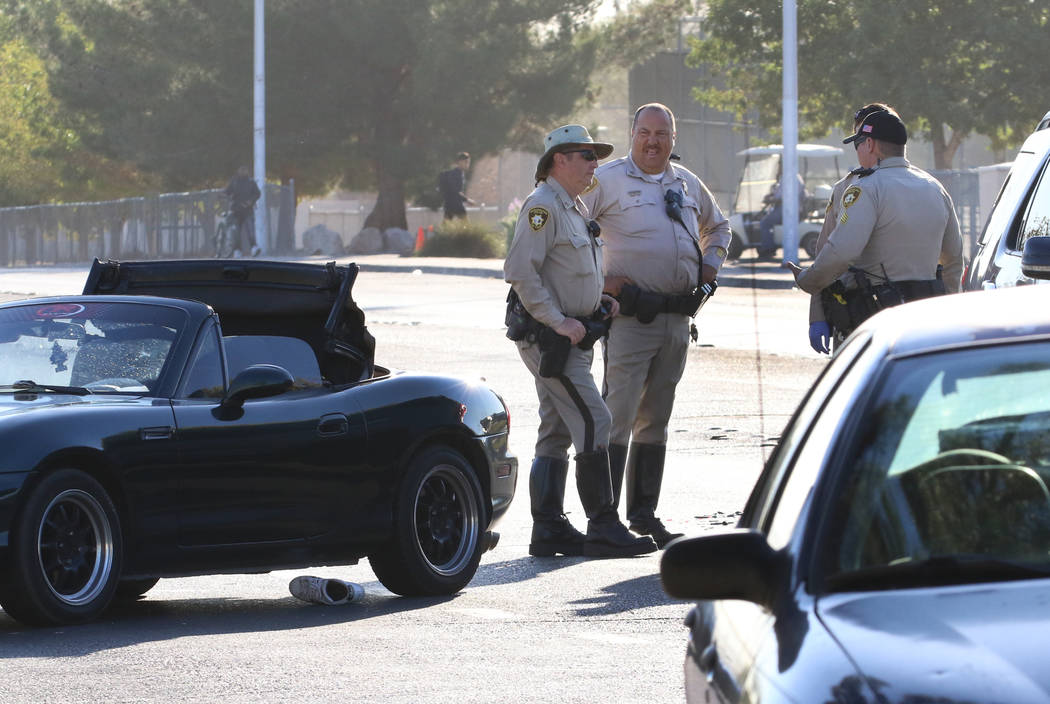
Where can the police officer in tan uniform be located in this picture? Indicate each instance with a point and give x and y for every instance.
(665, 236)
(820, 333)
(554, 266)
(896, 225)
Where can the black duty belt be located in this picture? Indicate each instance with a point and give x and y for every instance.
(646, 305)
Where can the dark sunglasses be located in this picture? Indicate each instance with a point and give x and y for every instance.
(858, 141)
(588, 154)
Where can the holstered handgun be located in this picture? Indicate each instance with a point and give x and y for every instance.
(518, 321)
(554, 352)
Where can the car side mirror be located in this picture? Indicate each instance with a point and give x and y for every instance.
(1035, 258)
(737, 564)
(257, 381)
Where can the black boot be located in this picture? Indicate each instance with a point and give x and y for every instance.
(617, 461)
(551, 531)
(606, 536)
(645, 473)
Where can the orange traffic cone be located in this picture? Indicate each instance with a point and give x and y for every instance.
(419, 239)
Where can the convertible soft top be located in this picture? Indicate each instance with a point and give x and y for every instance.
(313, 302)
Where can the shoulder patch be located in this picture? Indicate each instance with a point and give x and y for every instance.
(850, 196)
(591, 187)
(538, 218)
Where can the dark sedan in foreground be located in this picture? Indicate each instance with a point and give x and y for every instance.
(200, 417)
(896, 548)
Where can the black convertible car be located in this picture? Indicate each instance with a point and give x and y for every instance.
(209, 416)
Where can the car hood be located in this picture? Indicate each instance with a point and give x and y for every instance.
(975, 643)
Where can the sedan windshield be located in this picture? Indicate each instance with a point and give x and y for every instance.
(75, 347)
(948, 481)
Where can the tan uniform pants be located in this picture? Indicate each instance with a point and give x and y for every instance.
(571, 408)
(643, 364)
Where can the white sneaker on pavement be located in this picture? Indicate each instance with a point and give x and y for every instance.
(321, 590)
(256, 250)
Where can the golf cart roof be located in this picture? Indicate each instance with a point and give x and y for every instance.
(802, 149)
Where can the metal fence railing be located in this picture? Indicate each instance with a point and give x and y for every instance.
(166, 226)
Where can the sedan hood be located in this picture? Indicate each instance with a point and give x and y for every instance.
(975, 643)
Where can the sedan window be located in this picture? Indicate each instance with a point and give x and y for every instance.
(952, 466)
(1037, 216)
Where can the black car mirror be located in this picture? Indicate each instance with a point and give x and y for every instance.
(737, 564)
(257, 381)
(1035, 258)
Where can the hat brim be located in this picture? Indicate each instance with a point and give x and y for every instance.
(543, 166)
(852, 138)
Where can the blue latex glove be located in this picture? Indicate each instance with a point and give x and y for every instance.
(820, 337)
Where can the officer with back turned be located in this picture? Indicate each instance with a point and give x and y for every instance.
(897, 237)
(556, 310)
(820, 333)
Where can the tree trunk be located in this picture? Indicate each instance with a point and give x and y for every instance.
(944, 151)
(389, 210)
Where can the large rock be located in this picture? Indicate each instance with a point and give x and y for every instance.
(368, 241)
(320, 240)
(399, 240)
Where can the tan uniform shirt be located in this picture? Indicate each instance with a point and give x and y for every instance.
(554, 264)
(897, 223)
(642, 242)
(831, 216)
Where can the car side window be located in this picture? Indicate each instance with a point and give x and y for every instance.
(1036, 221)
(204, 377)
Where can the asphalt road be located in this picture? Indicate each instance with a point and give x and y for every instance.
(526, 629)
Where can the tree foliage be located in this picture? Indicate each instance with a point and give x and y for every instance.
(951, 67)
(369, 94)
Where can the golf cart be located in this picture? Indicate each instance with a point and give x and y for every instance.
(820, 169)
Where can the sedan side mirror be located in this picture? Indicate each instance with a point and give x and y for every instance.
(1035, 258)
(257, 381)
(737, 564)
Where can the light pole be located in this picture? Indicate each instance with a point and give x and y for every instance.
(262, 231)
(789, 166)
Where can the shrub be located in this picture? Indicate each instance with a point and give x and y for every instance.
(464, 238)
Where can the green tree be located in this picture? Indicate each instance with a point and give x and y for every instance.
(951, 67)
(362, 92)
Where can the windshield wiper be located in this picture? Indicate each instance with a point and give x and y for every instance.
(935, 571)
(33, 387)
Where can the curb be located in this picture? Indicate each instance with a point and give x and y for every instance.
(733, 280)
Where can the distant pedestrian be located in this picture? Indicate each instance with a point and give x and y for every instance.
(242, 193)
(453, 185)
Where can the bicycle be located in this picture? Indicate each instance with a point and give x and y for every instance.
(228, 236)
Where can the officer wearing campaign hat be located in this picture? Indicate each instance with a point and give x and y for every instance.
(554, 267)
(897, 236)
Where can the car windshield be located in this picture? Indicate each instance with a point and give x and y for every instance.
(948, 481)
(97, 347)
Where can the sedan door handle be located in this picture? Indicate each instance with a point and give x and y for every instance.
(333, 424)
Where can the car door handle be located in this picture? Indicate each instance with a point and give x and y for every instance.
(157, 432)
(333, 424)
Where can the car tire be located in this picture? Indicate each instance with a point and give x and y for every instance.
(809, 244)
(736, 247)
(440, 522)
(65, 553)
(131, 589)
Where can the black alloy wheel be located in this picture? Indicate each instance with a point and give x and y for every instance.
(66, 552)
(440, 522)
